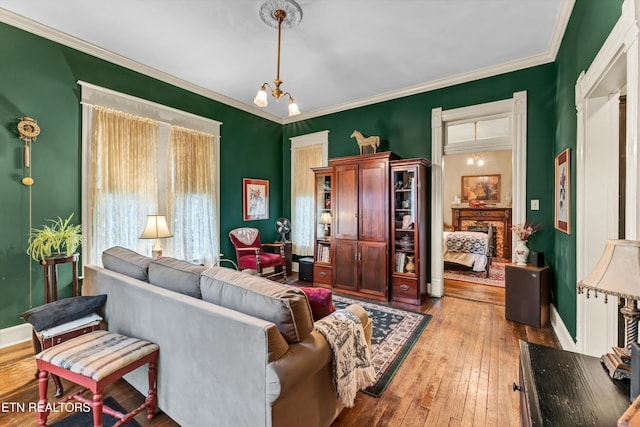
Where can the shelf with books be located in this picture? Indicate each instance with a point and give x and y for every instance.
(408, 228)
(323, 251)
(322, 270)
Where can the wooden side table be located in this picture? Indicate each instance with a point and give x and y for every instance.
(275, 248)
(526, 294)
(51, 276)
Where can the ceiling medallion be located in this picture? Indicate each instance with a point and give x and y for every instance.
(267, 8)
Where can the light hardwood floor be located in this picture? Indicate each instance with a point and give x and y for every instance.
(459, 373)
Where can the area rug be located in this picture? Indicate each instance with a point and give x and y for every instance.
(496, 275)
(395, 331)
(85, 419)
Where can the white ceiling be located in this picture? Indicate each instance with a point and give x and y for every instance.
(344, 53)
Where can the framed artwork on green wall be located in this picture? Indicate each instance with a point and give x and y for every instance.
(562, 195)
(255, 199)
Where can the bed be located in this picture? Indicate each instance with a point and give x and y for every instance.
(473, 248)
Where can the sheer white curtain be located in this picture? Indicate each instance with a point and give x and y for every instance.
(123, 182)
(191, 195)
(302, 196)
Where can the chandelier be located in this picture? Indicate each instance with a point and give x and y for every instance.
(474, 158)
(272, 13)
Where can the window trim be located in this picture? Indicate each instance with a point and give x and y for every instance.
(166, 116)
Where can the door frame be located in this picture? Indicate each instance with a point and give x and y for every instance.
(516, 109)
(617, 64)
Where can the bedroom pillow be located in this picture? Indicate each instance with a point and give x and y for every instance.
(63, 311)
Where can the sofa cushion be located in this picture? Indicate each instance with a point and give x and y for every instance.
(320, 300)
(63, 311)
(285, 306)
(126, 261)
(176, 275)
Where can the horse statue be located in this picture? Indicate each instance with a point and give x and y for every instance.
(373, 141)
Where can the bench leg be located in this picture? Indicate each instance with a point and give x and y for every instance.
(152, 398)
(43, 411)
(97, 409)
(58, 383)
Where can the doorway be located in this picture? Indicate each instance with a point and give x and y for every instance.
(484, 177)
(613, 72)
(515, 111)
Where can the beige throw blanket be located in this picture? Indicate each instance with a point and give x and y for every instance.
(352, 368)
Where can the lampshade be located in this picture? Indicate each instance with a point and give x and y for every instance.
(261, 97)
(293, 107)
(325, 218)
(618, 271)
(156, 228)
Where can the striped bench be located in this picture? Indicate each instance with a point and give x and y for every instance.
(94, 361)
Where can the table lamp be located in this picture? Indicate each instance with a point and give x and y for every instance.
(325, 219)
(618, 274)
(156, 228)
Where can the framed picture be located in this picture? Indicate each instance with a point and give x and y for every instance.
(481, 187)
(255, 199)
(562, 188)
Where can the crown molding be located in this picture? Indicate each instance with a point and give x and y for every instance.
(49, 33)
(561, 26)
(65, 39)
(482, 73)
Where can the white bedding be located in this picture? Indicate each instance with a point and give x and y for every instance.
(462, 255)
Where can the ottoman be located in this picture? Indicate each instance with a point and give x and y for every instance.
(93, 361)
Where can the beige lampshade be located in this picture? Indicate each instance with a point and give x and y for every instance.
(156, 228)
(325, 218)
(618, 271)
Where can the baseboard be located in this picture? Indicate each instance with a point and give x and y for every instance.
(15, 335)
(566, 341)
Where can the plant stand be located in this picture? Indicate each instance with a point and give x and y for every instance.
(51, 276)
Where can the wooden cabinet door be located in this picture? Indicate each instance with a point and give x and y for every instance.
(345, 196)
(346, 264)
(374, 271)
(374, 201)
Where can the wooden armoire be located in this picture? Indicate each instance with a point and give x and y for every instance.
(361, 234)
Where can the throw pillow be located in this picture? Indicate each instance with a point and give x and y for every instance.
(176, 275)
(126, 261)
(63, 311)
(321, 302)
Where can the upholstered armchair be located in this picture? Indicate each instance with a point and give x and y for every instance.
(251, 256)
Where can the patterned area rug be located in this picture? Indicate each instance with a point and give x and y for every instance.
(395, 331)
(496, 275)
(80, 419)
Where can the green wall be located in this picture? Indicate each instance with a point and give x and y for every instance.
(404, 126)
(38, 79)
(590, 24)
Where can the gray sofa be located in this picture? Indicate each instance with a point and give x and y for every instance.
(235, 349)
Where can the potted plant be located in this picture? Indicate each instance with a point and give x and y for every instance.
(60, 238)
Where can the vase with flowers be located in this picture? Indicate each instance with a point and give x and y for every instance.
(523, 232)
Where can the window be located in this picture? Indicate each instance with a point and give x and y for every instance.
(307, 151)
(141, 158)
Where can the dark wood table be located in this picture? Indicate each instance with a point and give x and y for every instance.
(561, 388)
